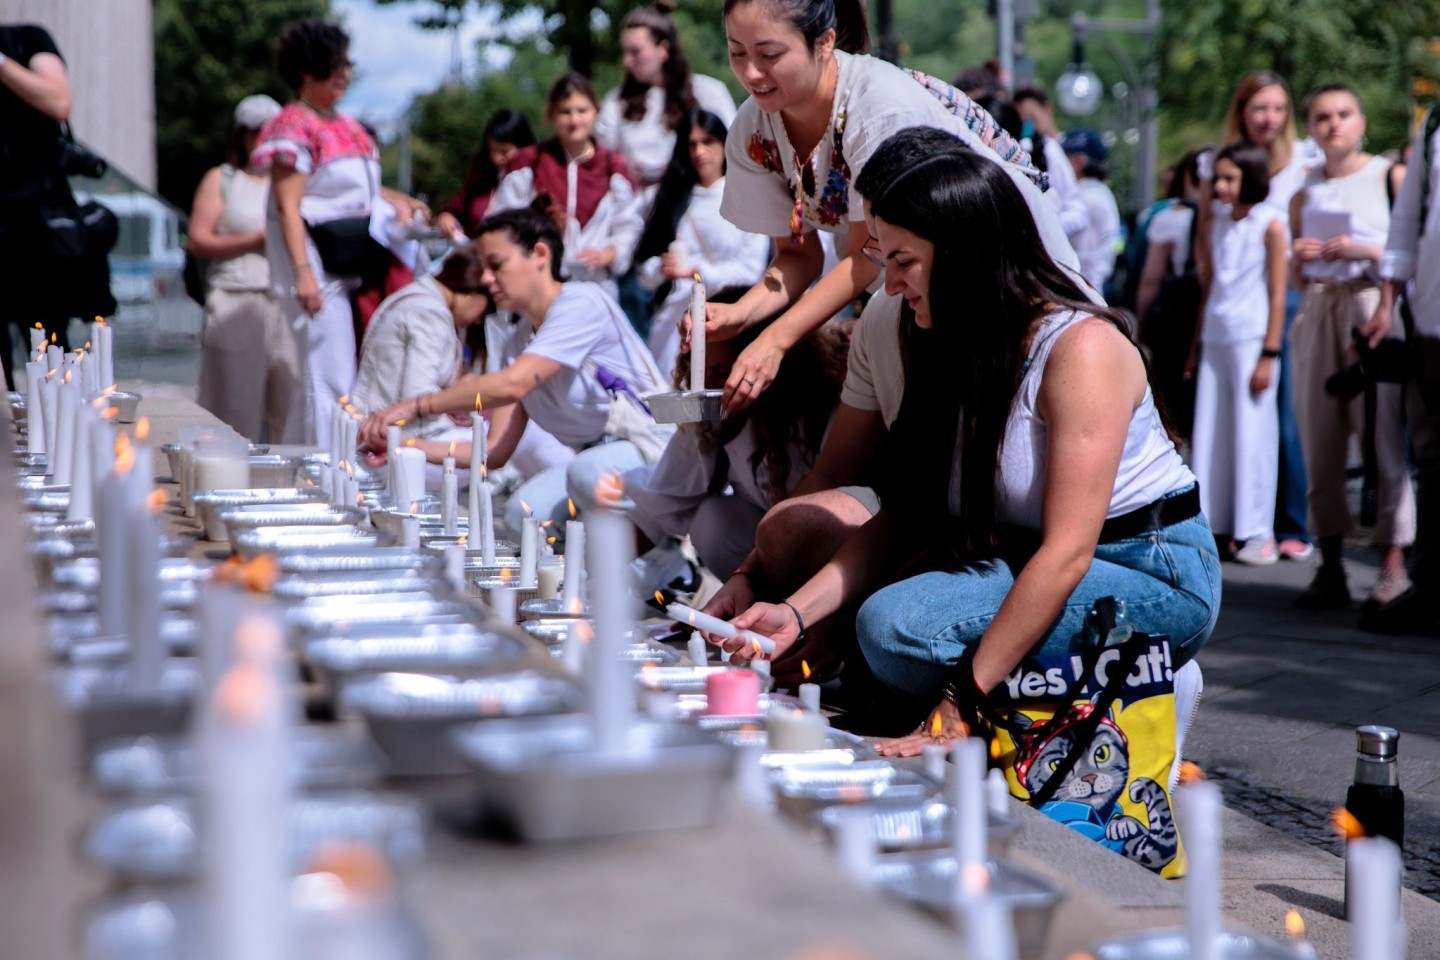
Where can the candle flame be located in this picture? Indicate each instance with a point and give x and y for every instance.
(359, 499)
(38, 326)
(550, 540)
(142, 428)
(245, 695)
(695, 276)
(54, 338)
(452, 448)
(483, 472)
(571, 505)
(157, 500)
(575, 606)
(526, 507)
(546, 523)
(256, 576)
(109, 413)
(86, 347)
(758, 650)
(124, 455)
(994, 748)
(358, 868)
(974, 878)
(1295, 924)
(349, 469)
(505, 576)
(460, 542)
(805, 669)
(100, 321)
(1191, 772)
(478, 405)
(414, 506)
(67, 377)
(410, 442)
(609, 491)
(343, 399)
(660, 598)
(1345, 824)
(110, 389)
(400, 423)
(937, 723)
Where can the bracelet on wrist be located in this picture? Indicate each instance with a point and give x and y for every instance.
(303, 266)
(418, 412)
(1269, 353)
(799, 620)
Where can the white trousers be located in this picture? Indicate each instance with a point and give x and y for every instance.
(1236, 441)
(327, 364)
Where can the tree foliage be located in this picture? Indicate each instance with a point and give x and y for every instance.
(209, 54)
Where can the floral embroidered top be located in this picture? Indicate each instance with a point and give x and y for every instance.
(771, 190)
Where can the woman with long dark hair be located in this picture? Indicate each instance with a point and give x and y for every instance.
(1061, 484)
(687, 210)
(506, 132)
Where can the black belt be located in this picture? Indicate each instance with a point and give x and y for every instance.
(1161, 513)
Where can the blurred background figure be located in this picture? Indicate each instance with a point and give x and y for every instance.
(249, 363)
(1098, 242)
(505, 133)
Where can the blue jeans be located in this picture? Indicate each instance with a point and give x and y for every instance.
(1291, 494)
(913, 632)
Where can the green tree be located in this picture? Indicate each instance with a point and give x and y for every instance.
(208, 55)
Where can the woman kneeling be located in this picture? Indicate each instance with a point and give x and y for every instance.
(1061, 485)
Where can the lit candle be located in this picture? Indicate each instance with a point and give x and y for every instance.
(1295, 926)
(50, 409)
(933, 758)
(578, 635)
(392, 445)
(709, 624)
(984, 918)
(547, 579)
(697, 334)
(35, 405)
(37, 339)
(147, 653)
(54, 357)
(410, 532)
(449, 495)
(574, 561)
(409, 477)
(455, 565)
(502, 599)
(1199, 812)
(699, 654)
(339, 489)
(69, 401)
(809, 692)
(529, 552)
(610, 548)
(788, 729)
(104, 337)
(244, 790)
(967, 795)
(762, 669)
(997, 795)
(479, 437)
(487, 521)
(82, 476)
(1373, 866)
(113, 540)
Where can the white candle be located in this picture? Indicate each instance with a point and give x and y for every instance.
(54, 358)
(788, 729)
(578, 635)
(699, 653)
(703, 621)
(105, 349)
(339, 486)
(35, 406)
(82, 476)
(547, 579)
(147, 655)
(997, 795)
(69, 402)
(1199, 812)
(986, 925)
(855, 843)
(762, 667)
(610, 548)
(1373, 866)
(244, 793)
(487, 522)
(574, 562)
(502, 601)
(968, 798)
(50, 409)
(392, 445)
(529, 552)
(102, 449)
(449, 495)
(479, 437)
(810, 697)
(697, 335)
(455, 565)
(89, 384)
(410, 533)
(113, 540)
(933, 755)
(37, 339)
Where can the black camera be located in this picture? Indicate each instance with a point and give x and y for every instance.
(78, 161)
(1388, 363)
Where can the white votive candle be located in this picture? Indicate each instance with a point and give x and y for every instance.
(699, 651)
(697, 335)
(574, 562)
(788, 729)
(502, 602)
(449, 497)
(1373, 865)
(810, 697)
(392, 445)
(529, 552)
(35, 406)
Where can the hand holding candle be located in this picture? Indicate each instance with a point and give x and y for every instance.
(718, 627)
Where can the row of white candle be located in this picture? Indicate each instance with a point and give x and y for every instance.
(99, 361)
(344, 432)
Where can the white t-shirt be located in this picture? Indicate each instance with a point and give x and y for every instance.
(873, 101)
(1362, 200)
(647, 144)
(875, 374)
(1238, 307)
(1412, 248)
(1095, 244)
(582, 324)
(1172, 226)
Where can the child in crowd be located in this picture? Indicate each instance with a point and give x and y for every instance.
(585, 188)
(1238, 341)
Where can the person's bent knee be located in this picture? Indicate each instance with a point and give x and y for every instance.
(818, 521)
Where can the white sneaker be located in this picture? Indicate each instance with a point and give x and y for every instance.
(1258, 552)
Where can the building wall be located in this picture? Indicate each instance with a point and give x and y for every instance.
(108, 46)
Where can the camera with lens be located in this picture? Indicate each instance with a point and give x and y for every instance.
(78, 161)
(1388, 363)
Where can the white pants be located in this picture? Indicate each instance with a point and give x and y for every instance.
(327, 363)
(1236, 441)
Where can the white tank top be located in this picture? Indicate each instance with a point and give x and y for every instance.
(245, 198)
(1150, 466)
(1363, 196)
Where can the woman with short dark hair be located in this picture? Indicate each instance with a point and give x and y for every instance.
(325, 176)
(506, 133)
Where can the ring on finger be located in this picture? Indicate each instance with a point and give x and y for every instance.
(941, 741)
(751, 381)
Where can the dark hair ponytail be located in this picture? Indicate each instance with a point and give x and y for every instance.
(813, 17)
(527, 226)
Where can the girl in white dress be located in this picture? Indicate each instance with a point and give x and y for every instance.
(686, 235)
(587, 187)
(1235, 447)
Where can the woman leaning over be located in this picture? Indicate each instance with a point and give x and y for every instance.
(1062, 484)
(325, 182)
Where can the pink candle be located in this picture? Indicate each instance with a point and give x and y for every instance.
(732, 693)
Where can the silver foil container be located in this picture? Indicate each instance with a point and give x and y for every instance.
(507, 552)
(326, 562)
(910, 825)
(172, 457)
(124, 404)
(802, 791)
(83, 573)
(680, 680)
(156, 841)
(551, 631)
(363, 582)
(49, 500)
(76, 638)
(391, 518)
(409, 714)
(1170, 944)
(336, 616)
(273, 470)
(174, 595)
(434, 648)
(553, 608)
(316, 514)
(145, 926)
(283, 540)
(544, 779)
(209, 504)
(107, 704)
(928, 881)
(689, 406)
(324, 759)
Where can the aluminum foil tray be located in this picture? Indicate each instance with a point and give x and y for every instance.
(144, 926)
(174, 595)
(505, 550)
(324, 759)
(690, 406)
(84, 573)
(391, 518)
(647, 655)
(359, 583)
(172, 456)
(282, 540)
(320, 616)
(689, 679)
(210, 504)
(50, 501)
(691, 708)
(802, 791)
(1171, 945)
(157, 841)
(75, 637)
(551, 609)
(542, 778)
(409, 714)
(436, 648)
(272, 470)
(314, 514)
(320, 563)
(910, 825)
(107, 705)
(552, 630)
(929, 881)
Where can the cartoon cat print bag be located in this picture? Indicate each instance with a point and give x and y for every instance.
(1088, 738)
